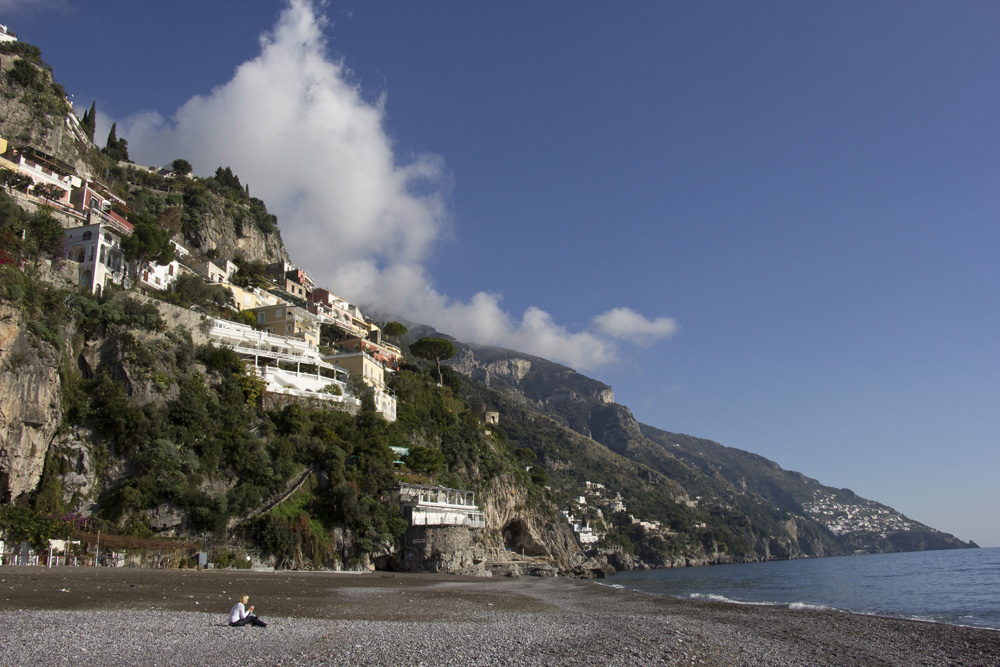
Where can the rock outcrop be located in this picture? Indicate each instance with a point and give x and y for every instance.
(30, 406)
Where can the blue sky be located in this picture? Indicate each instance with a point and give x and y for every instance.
(768, 224)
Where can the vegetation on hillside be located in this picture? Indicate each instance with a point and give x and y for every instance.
(208, 449)
(31, 79)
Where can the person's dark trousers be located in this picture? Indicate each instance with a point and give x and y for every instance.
(247, 620)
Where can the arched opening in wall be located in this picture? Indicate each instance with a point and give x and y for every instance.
(87, 278)
(517, 537)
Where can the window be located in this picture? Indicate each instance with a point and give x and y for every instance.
(87, 235)
(170, 270)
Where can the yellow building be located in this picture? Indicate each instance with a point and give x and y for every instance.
(285, 320)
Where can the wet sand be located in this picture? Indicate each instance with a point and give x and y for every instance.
(123, 616)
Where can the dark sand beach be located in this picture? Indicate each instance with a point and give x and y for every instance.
(123, 616)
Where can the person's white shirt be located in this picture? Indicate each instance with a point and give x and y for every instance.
(237, 613)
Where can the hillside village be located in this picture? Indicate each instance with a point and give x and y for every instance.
(288, 313)
(845, 518)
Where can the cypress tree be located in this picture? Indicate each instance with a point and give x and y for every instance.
(89, 121)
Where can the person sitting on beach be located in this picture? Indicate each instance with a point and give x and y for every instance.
(240, 615)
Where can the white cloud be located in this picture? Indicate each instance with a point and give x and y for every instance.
(627, 324)
(294, 126)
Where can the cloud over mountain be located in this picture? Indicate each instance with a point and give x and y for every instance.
(294, 125)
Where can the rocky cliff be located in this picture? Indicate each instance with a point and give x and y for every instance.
(30, 406)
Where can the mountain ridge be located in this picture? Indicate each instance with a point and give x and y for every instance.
(838, 520)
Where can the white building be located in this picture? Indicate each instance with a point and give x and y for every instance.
(97, 248)
(273, 357)
(440, 506)
(160, 276)
(217, 270)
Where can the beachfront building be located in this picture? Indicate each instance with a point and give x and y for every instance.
(583, 533)
(440, 506)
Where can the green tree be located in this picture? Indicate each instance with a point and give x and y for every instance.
(89, 121)
(437, 349)
(425, 459)
(24, 73)
(181, 166)
(149, 243)
(15, 180)
(191, 289)
(44, 234)
(245, 317)
(50, 191)
(251, 273)
(395, 329)
(526, 454)
(115, 148)
(20, 524)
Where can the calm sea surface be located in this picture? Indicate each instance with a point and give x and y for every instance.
(960, 586)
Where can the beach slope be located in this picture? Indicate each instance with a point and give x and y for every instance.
(105, 616)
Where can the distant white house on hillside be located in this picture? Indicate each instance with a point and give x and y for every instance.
(6, 35)
(160, 276)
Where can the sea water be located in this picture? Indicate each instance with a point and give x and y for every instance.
(959, 586)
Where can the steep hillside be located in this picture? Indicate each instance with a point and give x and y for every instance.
(747, 503)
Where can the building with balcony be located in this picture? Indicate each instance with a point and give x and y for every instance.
(45, 170)
(287, 364)
(216, 270)
(97, 249)
(160, 276)
(372, 372)
(440, 506)
(286, 320)
(332, 309)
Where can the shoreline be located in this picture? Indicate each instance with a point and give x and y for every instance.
(799, 606)
(117, 616)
